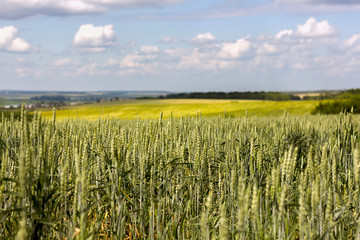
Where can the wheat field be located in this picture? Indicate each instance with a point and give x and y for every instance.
(281, 177)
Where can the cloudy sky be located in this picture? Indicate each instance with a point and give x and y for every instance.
(179, 45)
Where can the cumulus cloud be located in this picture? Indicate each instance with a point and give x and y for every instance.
(141, 58)
(284, 34)
(12, 9)
(9, 40)
(307, 48)
(237, 49)
(267, 48)
(352, 44)
(314, 29)
(197, 59)
(352, 41)
(141, 64)
(203, 38)
(94, 39)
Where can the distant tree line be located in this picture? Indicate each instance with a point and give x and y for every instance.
(61, 98)
(321, 96)
(345, 101)
(50, 98)
(342, 105)
(275, 96)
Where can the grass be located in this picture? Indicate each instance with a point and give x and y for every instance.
(150, 109)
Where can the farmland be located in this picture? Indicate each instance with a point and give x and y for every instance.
(274, 177)
(151, 109)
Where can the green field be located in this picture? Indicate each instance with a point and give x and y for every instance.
(281, 177)
(150, 109)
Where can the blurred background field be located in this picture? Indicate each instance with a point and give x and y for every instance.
(148, 105)
(150, 109)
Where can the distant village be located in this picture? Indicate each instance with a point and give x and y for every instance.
(37, 105)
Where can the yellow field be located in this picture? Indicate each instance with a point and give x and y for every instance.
(151, 109)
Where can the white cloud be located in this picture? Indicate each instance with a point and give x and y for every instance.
(352, 41)
(146, 56)
(306, 49)
(92, 49)
(174, 54)
(12, 9)
(238, 49)
(9, 40)
(140, 63)
(135, 60)
(196, 59)
(286, 33)
(203, 38)
(149, 49)
(314, 29)
(25, 67)
(264, 62)
(130, 61)
(94, 39)
(267, 49)
(311, 34)
(353, 65)
(89, 69)
(352, 45)
(140, 59)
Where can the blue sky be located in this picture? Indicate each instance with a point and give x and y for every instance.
(179, 45)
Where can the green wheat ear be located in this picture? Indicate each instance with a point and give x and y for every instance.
(288, 177)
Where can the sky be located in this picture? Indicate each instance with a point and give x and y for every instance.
(179, 45)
